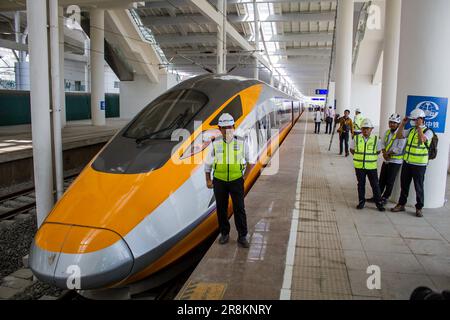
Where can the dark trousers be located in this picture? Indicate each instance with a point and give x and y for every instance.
(329, 127)
(388, 174)
(317, 127)
(343, 138)
(222, 191)
(361, 175)
(417, 173)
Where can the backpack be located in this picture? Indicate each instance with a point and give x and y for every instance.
(433, 146)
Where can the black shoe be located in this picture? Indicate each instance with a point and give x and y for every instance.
(224, 239)
(360, 206)
(347, 154)
(380, 207)
(243, 242)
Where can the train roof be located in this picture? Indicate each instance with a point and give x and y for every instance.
(222, 87)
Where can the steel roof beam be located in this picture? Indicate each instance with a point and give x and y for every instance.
(200, 19)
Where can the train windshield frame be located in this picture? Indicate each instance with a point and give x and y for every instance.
(169, 112)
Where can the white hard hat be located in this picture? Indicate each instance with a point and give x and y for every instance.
(226, 120)
(416, 114)
(395, 117)
(358, 110)
(367, 124)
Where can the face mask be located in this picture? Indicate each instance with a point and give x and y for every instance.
(412, 123)
(229, 135)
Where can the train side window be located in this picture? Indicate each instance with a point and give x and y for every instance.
(234, 108)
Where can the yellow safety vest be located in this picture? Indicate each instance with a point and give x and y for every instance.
(416, 152)
(358, 122)
(366, 153)
(388, 143)
(228, 160)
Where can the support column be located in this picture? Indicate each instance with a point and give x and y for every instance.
(222, 37)
(56, 97)
(87, 67)
(331, 95)
(62, 84)
(425, 72)
(40, 106)
(390, 62)
(98, 67)
(256, 26)
(344, 49)
(271, 79)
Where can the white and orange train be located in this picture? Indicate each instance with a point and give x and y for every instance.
(135, 210)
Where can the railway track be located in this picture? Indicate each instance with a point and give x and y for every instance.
(23, 201)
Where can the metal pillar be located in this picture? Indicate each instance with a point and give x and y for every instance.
(98, 67)
(256, 26)
(390, 62)
(61, 68)
(56, 97)
(344, 49)
(40, 106)
(425, 72)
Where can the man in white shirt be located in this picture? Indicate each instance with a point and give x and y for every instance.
(317, 120)
(329, 117)
(418, 140)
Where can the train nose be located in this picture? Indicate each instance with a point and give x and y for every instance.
(74, 257)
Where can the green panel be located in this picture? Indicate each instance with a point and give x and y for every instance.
(78, 106)
(15, 106)
(112, 105)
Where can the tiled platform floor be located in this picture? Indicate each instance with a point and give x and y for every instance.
(15, 141)
(334, 243)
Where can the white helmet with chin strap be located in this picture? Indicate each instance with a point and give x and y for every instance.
(395, 117)
(416, 114)
(367, 124)
(226, 120)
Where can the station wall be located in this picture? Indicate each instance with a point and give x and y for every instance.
(15, 106)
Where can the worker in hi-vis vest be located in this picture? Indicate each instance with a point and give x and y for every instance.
(227, 159)
(418, 140)
(393, 149)
(365, 149)
(357, 122)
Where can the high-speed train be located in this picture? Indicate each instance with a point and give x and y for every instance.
(141, 205)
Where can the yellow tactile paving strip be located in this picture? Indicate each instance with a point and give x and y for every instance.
(319, 268)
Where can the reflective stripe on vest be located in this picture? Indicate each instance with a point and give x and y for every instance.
(228, 160)
(366, 153)
(388, 143)
(415, 152)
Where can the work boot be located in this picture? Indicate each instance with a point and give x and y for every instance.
(243, 242)
(224, 239)
(419, 213)
(361, 205)
(398, 208)
(380, 207)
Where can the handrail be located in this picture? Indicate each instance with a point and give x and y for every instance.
(147, 34)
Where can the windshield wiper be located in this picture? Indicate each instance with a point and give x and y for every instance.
(176, 122)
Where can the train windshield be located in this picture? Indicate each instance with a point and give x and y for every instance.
(171, 111)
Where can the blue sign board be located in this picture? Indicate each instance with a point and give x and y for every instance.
(102, 105)
(321, 92)
(435, 109)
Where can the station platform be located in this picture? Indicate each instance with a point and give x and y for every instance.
(308, 241)
(15, 141)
